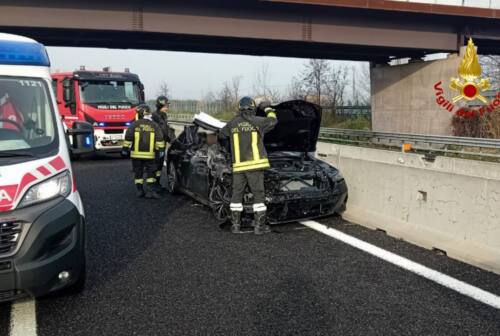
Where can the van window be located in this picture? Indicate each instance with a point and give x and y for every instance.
(27, 120)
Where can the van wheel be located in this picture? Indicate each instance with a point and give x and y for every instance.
(172, 179)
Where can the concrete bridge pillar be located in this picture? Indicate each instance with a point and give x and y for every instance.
(403, 96)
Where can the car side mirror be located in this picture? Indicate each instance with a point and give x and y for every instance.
(68, 95)
(81, 137)
(141, 89)
(66, 90)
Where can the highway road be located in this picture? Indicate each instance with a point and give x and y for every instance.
(164, 267)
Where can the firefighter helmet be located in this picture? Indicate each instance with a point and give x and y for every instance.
(162, 101)
(142, 110)
(246, 103)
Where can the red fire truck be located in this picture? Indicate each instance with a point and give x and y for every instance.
(105, 99)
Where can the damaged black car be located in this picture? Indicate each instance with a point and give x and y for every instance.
(298, 186)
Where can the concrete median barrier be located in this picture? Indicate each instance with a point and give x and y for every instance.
(450, 204)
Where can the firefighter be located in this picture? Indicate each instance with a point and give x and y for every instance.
(249, 160)
(8, 111)
(144, 142)
(161, 118)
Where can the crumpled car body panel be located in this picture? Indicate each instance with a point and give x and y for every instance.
(298, 186)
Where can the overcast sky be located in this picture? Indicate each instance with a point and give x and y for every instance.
(189, 75)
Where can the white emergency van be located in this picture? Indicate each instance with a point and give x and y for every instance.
(42, 224)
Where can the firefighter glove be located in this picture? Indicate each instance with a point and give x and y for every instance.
(125, 152)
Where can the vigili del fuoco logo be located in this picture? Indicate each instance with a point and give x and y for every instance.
(469, 86)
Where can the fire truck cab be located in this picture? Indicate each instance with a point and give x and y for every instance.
(42, 222)
(104, 99)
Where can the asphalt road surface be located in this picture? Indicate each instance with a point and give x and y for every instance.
(164, 267)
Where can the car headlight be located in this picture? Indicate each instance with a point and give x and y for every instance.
(338, 177)
(59, 185)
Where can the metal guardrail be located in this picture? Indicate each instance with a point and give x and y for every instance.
(463, 147)
(411, 138)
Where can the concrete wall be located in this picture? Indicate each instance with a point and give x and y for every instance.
(403, 98)
(451, 204)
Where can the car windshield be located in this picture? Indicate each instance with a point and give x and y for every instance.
(27, 123)
(102, 91)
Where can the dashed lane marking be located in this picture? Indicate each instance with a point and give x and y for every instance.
(430, 274)
(23, 318)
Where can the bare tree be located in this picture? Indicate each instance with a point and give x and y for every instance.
(335, 86)
(209, 97)
(261, 86)
(164, 89)
(316, 76)
(363, 85)
(225, 96)
(235, 88)
(491, 69)
(296, 89)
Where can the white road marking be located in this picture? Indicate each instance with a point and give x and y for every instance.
(23, 318)
(430, 274)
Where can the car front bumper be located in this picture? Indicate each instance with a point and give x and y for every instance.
(51, 241)
(297, 206)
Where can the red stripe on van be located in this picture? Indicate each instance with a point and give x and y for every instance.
(43, 170)
(57, 163)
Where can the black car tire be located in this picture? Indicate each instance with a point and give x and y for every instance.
(172, 179)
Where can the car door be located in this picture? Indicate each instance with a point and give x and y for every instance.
(197, 181)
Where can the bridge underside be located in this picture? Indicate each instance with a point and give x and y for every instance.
(248, 27)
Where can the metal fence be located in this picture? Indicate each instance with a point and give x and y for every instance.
(193, 106)
(348, 111)
(438, 144)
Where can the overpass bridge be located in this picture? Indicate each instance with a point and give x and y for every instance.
(367, 30)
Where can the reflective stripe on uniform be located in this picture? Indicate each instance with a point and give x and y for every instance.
(255, 147)
(158, 173)
(151, 141)
(160, 144)
(142, 155)
(139, 181)
(151, 180)
(127, 144)
(271, 115)
(137, 154)
(236, 207)
(137, 137)
(251, 167)
(259, 207)
(236, 143)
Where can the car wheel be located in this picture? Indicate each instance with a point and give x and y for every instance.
(172, 180)
(219, 203)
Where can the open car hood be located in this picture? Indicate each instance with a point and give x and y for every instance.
(297, 129)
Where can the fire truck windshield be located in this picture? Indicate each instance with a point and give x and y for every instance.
(102, 91)
(27, 122)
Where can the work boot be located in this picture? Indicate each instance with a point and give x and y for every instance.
(158, 186)
(236, 221)
(260, 227)
(151, 192)
(140, 190)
